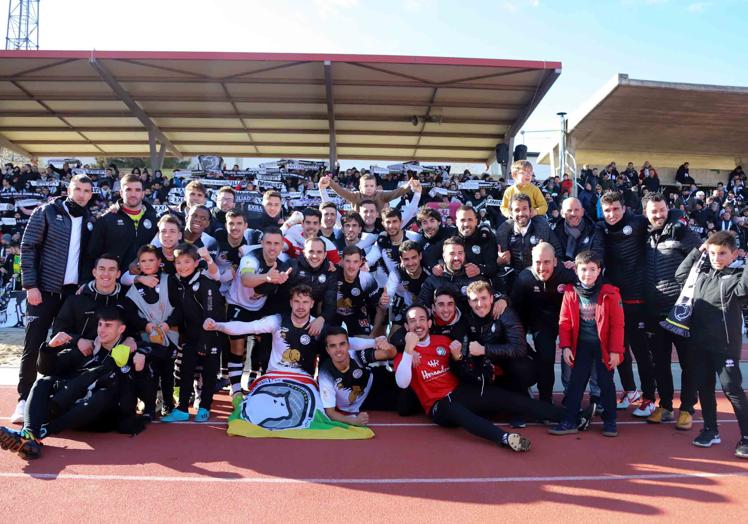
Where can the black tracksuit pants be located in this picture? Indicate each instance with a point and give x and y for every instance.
(706, 367)
(211, 362)
(635, 340)
(63, 404)
(38, 321)
(661, 344)
(545, 362)
(465, 406)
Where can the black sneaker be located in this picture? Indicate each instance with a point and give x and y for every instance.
(585, 417)
(741, 450)
(30, 450)
(21, 442)
(517, 423)
(515, 442)
(707, 438)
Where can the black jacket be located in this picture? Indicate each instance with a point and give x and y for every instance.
(538, 303)
(457, 282)
(503, 338)
(717, 307)
(589, 240)
(44, 247)
(200, 298)
(624, 254)
(481, 250)
(115, 234)
(77, 316)
(520, 246)
(324, 283)
(432, 247)
(664, 251)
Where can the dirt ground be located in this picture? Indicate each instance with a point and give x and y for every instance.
(11, 344)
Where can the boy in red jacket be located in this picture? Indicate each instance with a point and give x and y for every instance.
(590, 332)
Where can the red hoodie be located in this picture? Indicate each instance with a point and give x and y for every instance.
(608, 317)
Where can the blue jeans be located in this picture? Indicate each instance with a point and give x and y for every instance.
(586, 355)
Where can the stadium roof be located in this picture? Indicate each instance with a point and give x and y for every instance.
(103, 103)
(666, 123)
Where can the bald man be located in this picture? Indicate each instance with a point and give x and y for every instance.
(576, 232)
(536, 296)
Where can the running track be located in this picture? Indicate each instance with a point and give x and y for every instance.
(411, 472)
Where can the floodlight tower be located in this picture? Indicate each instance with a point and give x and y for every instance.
(23, 25)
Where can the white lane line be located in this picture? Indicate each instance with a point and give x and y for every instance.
(344, 481)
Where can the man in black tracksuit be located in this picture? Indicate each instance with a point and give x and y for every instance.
(51, 272)
(434, 235)
(481, 250)
(127, 225)
(669, 241)
(536, 296)
(453, 277)
(313, 269)
(716, 319)
(519, 235)
(625, 235)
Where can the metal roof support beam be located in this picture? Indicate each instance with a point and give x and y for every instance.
(331, 115)
(7, 144)
(136, 110)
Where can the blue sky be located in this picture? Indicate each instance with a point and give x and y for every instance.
(671, 40)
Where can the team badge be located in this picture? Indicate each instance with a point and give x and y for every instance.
(355, 291)
(147, 223)
(305, 340)
(357, 373)
(536, 289)
(533, 239)
(322, 279)
(560, 288)
(90, 226)
(441, 351)
(120, 222)
(627, 230)
(476, 249)
(195, 286)
(493, 328)
(463, 290)
(586, 240)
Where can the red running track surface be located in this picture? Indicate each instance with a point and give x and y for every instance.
(412, 471)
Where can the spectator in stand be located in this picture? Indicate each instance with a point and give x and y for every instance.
(367, 191)
(682, 175)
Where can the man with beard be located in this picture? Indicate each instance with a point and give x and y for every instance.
(53, 264)
(519, 235)
(404, 283)
(357, 294)
(295, 234)
(383, 256)
(312, 269)
(454, 278)
(272, 212)
(480, 244)
(225, 201)
(576, 232)
(625, 237)
(669, 242)
(536, 296)
(352, 234)
(434, 234)
(127, 225)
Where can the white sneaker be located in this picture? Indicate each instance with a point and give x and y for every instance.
(645, 409)
(628, 398)
(17, 416)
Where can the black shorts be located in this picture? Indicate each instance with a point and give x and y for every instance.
(240, 314)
